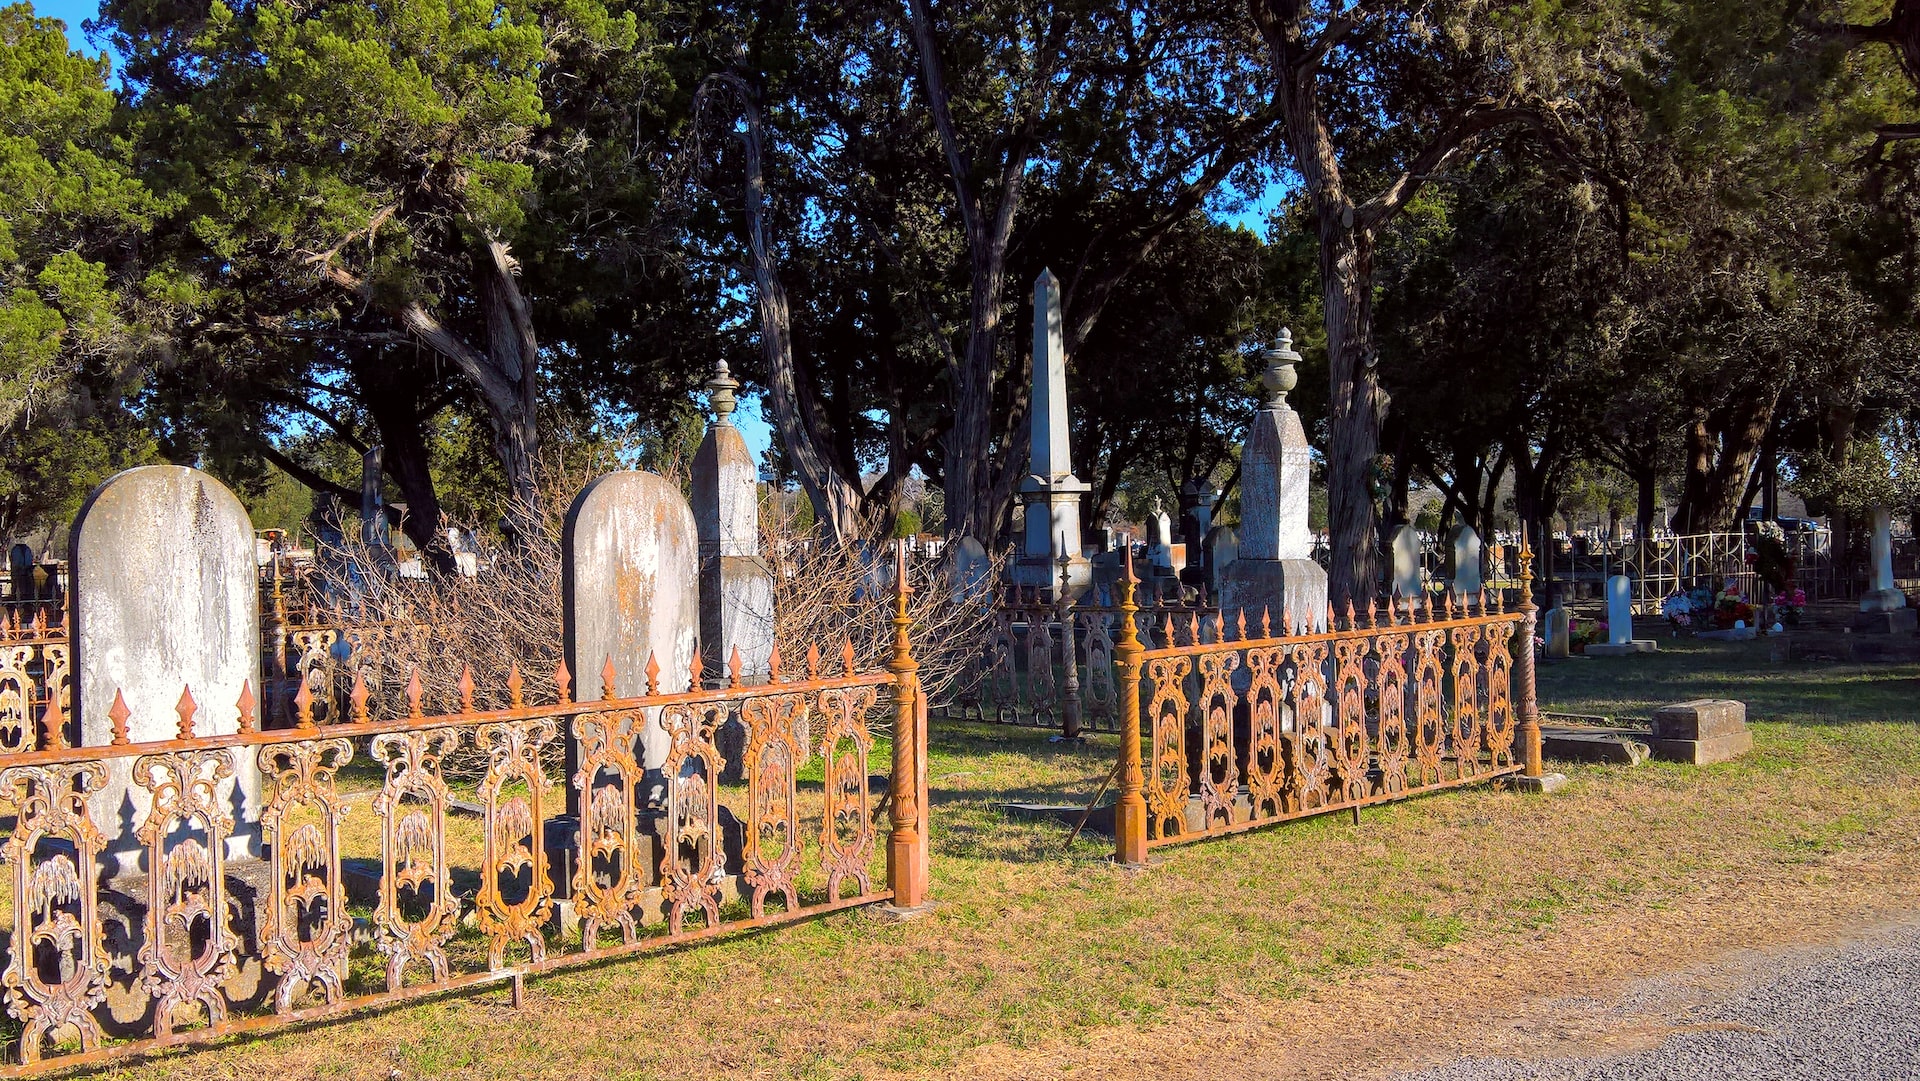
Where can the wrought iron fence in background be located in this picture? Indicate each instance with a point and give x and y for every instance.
(203, 945)
(1257, 723)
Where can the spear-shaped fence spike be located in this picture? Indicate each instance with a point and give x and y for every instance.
(1373, 611)
(361, 693)
(1266, 621)
(773, 664)
(1352, 622)
(302, 704)
(813, 662)
(515, 685)
(694, 668)
(846, 656)
(1449, 604)
(415, 693)
(607, 676)
(466, 688)
(1286, 617)
(246, 706)
(653, 674)
(117, 715)
(1330, 616)
(1240, 625)
(53, 726)
(186, 708)
(1393, 612)
(733, 668)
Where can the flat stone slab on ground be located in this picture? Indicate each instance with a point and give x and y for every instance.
(1623, 649)
(1731, 634)
(1701, 718)
(1702, 752)
(1100, 821)
(1620, 747)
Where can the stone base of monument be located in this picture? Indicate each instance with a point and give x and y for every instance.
(1623, 649)
(1296, 586)
(1730, 634)
(123, 918)
(1893, 621)
(1701, 732)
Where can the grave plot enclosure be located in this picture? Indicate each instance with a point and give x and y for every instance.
(385, 877)
(1250, 722)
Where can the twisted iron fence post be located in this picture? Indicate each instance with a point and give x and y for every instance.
(1529, 700)
(1130, 813)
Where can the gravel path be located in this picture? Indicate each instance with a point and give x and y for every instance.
(1847, 1013)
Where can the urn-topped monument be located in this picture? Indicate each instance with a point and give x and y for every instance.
(1275, 570)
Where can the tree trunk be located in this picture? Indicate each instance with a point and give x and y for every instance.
(1356, 406)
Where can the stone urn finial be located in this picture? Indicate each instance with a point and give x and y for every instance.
(720, 390)
(1279, 376)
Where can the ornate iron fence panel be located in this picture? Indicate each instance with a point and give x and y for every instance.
(666, 841)
(1235, 727)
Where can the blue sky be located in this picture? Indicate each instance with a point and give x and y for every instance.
(73, 13)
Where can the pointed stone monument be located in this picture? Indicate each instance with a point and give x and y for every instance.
(736, 585)
(1275, 570)
(1051, 492)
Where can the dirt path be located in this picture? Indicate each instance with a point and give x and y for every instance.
(1554, 995)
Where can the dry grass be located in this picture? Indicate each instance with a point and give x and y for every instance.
(1315, 949)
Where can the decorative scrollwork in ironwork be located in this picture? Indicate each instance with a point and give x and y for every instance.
(846, 829)
(185, 833)
(691, 858)
(57, 967)
(1266, 761)
(305, 930)
(610, 871)
(412, 807)
(774, 755)
(1466, 736)
(1167, 789)
(1499, 722)
(513, 794)
(1218, 766)
(1429, 710)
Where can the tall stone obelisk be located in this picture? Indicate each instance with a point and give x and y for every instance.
(1275, 570)
(1051, 491)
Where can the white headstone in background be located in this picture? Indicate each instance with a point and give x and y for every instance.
(1882, 594)
(166, 599)
(1159, 539)
(1558, 626)
(1619, 610)
(1466, 560)
(1406, 562)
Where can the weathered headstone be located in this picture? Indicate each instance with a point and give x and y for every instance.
(165, 601)
(1466, 560)
(630, 568)
(1406, 561)
(969, 566)
(1559, 627)
(1051, 492)
(1196, 517)
(1275, 571)
(1883, 608)
(20, 573)
(736, 585)
(1222, 548)
(1620, 640)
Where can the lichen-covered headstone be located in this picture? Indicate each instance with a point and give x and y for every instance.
(630, 568)
(165, 599)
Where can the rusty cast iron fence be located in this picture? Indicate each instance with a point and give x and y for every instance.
(200, 944)
(36, 670)
(1253, 724)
